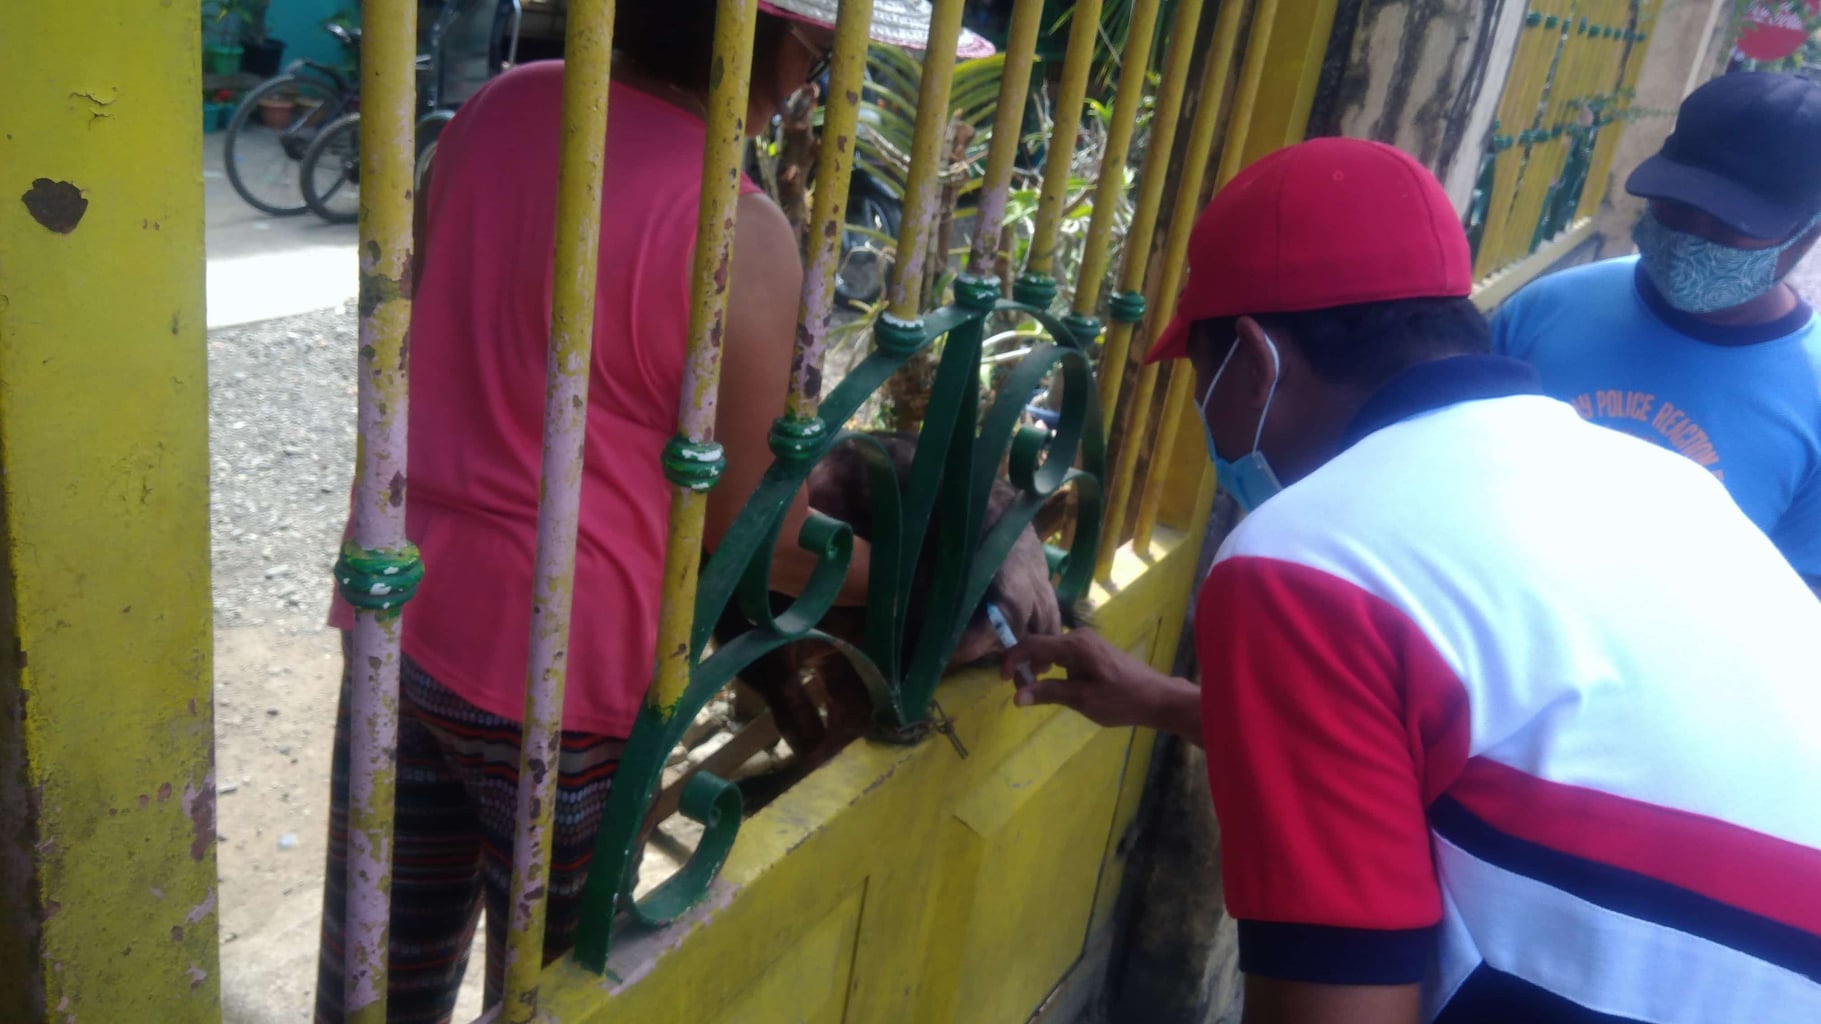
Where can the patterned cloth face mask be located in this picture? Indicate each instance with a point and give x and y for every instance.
(1696, 275)
(1249, 478)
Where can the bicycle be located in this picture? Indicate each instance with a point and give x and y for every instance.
(330, 172)
(263, 156)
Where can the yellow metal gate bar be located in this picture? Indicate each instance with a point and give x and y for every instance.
(1208, 111)
(1134, 76)
(1232, 159)
(695, 443)
(927, 156)
(1008, 125)
(1636, 40)
(1036, 286)
(1128, 306)
(587, 75)
(1518, 118)
(379, 547)
(1551, 148)
(834, 169)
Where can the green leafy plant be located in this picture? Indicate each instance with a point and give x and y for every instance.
(888, 114)
(1115, 32)
(888, 117)
(242, 20)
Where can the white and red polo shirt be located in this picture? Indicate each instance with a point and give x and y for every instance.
(1522, 708)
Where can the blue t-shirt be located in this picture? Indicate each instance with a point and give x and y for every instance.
(1743, 401)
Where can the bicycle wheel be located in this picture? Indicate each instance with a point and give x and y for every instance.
(429, 130)
(331, 172)
(424, 156)
(263, 158)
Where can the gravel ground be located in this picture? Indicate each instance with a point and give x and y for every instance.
(281, 407)
(281, 402)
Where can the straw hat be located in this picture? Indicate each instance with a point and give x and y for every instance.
(895, 23)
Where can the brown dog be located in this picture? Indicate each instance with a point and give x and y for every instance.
(816, 732)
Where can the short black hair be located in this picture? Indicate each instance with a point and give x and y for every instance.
(673, 40)
(1368, 342)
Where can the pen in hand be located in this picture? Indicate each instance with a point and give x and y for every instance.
(1009, 640)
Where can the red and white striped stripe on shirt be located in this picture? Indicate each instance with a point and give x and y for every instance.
(1521, 707)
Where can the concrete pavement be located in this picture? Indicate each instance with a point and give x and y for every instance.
(262, 267)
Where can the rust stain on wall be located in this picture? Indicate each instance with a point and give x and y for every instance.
(58, 205)
(199, 804)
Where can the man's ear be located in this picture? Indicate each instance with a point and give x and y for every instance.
(1258, 363)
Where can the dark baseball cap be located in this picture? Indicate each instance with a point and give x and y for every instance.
(1747, 150)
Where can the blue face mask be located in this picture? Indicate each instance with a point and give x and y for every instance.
(1699, 276)
(1248, 478)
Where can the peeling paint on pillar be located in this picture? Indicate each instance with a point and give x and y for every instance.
(734, 26)
(833, 170)
(199, 805)
(1065, 131)
(104, 507)
(929, 151)
(1135, 65)
(388, 104)
(1008, 122)
(588, 49)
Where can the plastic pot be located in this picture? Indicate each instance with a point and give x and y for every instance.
(276, 112)
(263, 58)
(221, 59)
(215, 116)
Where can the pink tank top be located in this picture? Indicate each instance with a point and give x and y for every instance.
(480, 324)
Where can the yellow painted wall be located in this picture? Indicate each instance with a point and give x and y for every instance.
(906, 884)
(107, 862)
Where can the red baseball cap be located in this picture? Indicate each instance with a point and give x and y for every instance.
(1324, 223)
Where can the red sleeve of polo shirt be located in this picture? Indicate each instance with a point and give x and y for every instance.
(1331, 722)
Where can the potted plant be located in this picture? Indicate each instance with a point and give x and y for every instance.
(221, 48)
(237, 39)
(263, 55)
(275, 111)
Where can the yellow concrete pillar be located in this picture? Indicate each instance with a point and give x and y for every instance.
(107, 797)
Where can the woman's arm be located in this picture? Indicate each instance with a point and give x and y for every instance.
(765, 289)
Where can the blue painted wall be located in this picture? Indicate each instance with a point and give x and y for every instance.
(299, 24)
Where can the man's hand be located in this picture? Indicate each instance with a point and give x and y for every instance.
(1105, 684)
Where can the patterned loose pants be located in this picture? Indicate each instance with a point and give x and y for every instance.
(452, 843)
